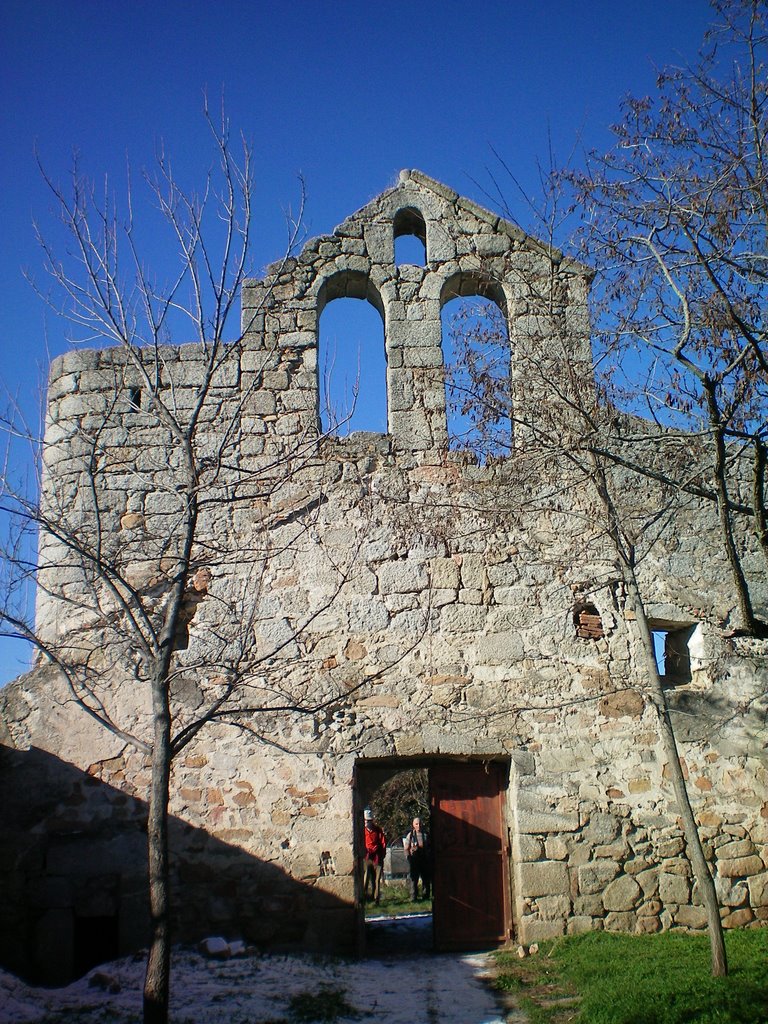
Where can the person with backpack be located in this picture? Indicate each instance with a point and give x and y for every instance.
(418, 850)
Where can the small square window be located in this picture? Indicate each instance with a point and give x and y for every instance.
(673, 656)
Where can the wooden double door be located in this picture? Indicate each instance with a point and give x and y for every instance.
(471, 905)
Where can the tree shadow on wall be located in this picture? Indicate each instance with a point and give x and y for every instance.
(73, 870)
(736, 727)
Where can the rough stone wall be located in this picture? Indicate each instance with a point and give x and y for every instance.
(432, 625)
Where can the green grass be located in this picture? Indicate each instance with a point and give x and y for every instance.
(396, 899)
(643, 979)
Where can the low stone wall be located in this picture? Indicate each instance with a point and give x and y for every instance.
(604, 870)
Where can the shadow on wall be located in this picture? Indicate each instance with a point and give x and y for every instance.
(73, 870)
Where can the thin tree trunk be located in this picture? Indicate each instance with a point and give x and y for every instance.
(697, 860)
(758, 496)
(157, 978)
(701, 872)
(746, 611)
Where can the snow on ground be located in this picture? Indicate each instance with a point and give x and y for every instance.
(398, 987)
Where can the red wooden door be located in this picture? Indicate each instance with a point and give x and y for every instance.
(471, 853)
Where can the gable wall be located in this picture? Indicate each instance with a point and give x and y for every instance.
(434, 625)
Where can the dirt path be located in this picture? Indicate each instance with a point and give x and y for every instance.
(410, 979)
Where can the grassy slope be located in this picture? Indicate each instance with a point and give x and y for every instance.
(650, 979)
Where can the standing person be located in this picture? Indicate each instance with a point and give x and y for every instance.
(375, 848)
(419, 853)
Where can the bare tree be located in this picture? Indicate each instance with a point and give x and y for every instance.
(673, 219)
(399, 800)
(677, 225)
(677, 229)
(142, 573)
(565, 434)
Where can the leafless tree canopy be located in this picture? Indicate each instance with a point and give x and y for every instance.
(122, 583)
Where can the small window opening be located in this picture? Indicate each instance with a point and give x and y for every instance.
(409, 251)
(410, 238)
(134, 398)
(672, 653)
(352, 368)
(478, 380)
(587, 621)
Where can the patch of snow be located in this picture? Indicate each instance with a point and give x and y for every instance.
(440, 988)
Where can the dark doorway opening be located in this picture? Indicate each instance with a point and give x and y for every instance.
(462, 804)
(95, 941)
(401, 922)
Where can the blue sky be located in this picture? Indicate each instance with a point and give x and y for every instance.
(344, 93)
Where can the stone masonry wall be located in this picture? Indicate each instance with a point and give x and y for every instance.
(422, 607)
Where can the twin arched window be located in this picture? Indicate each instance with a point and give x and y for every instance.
(352, 364)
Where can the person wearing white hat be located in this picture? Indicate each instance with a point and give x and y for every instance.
(375, 848)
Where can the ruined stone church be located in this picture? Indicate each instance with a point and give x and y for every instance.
(366, 604)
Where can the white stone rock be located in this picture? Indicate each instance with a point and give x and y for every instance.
(215, 946)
